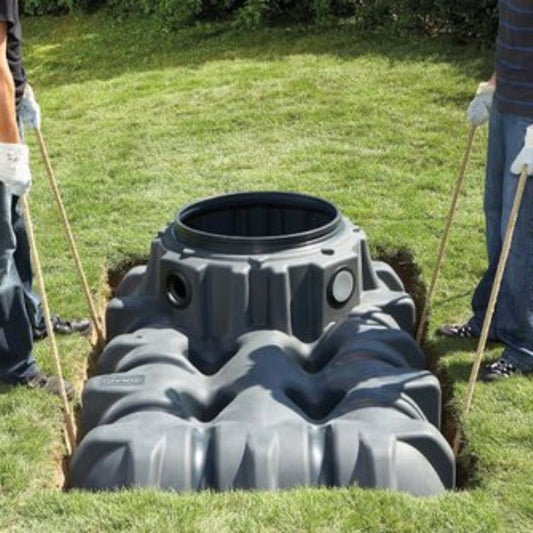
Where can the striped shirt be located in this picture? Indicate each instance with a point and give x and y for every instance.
(514, 58)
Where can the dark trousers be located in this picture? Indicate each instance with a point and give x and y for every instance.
(19, 306)
(512, 323)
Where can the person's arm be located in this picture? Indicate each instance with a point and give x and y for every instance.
(8, 117)
(14, 159)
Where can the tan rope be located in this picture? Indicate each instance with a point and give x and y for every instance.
(446, 235)
(69, 418)
(492, 301)
(53, 183)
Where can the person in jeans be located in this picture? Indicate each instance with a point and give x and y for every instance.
(506, 101)
(21, 319)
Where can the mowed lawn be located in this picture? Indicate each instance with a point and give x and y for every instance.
(139, 123)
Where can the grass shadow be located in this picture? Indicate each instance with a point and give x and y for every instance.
(458, 370)
(100, 47)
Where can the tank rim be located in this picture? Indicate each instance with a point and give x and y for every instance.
(223, 242)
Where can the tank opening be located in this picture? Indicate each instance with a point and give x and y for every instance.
(258, 222)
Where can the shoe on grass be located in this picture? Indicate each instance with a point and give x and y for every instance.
(51, 384)
(64, 327)
(457, 331)
(496, 371)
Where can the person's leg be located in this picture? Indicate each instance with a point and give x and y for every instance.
(17, 364)
(493, 213)
(514, 311)
(22, 258)
(18, 304)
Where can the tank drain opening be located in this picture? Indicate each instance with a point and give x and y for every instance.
(178, 290)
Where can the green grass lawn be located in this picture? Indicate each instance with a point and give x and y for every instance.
(139, 124)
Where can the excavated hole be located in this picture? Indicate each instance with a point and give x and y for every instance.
(403, 262)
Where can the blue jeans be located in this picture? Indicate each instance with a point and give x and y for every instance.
(17, 312)
(512, 323)
(20, 309)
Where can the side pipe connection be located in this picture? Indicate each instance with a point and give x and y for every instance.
(262, 348)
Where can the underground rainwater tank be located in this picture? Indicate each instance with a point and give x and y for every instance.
(262, 348)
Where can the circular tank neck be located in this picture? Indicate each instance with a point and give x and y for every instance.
(256, 222)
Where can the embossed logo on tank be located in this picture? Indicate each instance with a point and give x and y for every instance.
(123, 380)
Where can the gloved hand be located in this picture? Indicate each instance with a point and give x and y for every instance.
(30, 112)
(479, 109)
(15, 168)
(525, 157)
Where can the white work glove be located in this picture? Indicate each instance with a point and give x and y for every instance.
(479, 109)
(30, 112)
(525, 157)
(15, 168)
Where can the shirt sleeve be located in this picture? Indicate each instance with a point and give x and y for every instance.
(8, 10)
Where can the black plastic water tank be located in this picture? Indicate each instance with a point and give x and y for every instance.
(261, 347)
